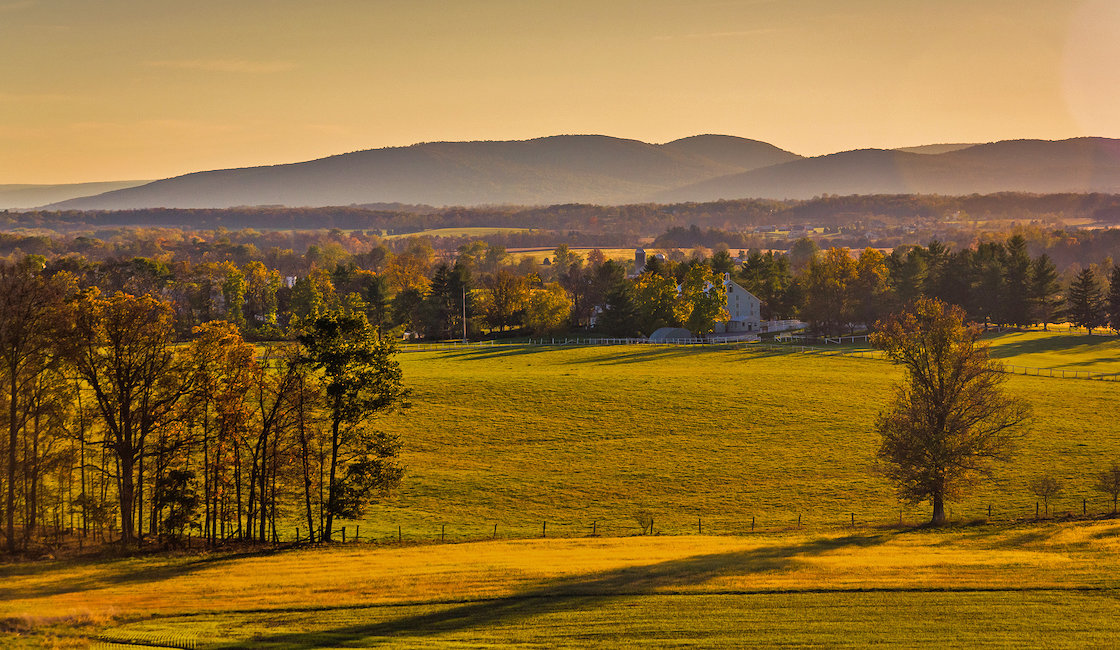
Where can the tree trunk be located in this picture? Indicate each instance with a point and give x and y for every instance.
(13, 435)
(127, 494)
(938, 509)
(331, 492)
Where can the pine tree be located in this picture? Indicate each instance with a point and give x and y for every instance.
(1045, 290)
(1085, 308)
(1113, 301)
(1017, 283)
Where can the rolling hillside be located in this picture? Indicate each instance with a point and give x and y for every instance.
(1039, 166)
(605, 170)
(558, 169)
(31, 196)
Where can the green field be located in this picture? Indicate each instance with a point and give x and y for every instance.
(567, 441)
(571, 436)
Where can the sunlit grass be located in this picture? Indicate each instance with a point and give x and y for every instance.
(562, 589)
(582, 437)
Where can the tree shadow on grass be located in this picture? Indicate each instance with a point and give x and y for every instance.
(568, 595)
(121, 572)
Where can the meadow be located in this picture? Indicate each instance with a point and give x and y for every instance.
(534, 464)
(1052, 584)
(582, 437)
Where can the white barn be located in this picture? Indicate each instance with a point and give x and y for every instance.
(744, 310)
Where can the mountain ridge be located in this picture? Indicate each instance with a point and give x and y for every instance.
(612, 171)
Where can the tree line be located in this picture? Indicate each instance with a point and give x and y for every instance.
(114, 421)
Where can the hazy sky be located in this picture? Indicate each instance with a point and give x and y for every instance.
(115, 89)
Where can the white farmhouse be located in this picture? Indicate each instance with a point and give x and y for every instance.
(744, 310)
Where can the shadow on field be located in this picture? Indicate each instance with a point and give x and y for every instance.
(1075, 344)
(569, 594)
(122, 572)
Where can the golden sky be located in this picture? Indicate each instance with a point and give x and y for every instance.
(114, 89)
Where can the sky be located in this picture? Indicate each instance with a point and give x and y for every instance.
(95, 90)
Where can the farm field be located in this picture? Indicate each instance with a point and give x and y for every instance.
(572, 438)
(1039, 584)
(529, 468)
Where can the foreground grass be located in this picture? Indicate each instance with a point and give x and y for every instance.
(1045, 584)
(583, 437)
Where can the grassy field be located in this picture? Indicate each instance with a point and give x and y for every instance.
(1052, 584)
(571, 436)
(567, 441)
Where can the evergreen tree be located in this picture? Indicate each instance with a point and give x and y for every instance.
(1084, 302)
(1112, 303)
(1016, 304)
(1045, 291)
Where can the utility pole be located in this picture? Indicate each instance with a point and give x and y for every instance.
(464, 313)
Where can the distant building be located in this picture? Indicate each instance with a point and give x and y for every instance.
(639, 259)
(744, 310)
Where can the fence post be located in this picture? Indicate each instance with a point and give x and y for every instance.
(752, 523)
(1084, 506)
(798, 521)
(297, 536)
(344, 534)
(594, 528)
(989, 511)
(1036, 509)
(853, 520)
(400, 536)
(357, 536)
(699, 527)
(442, 532)
(544, 526)
(495, 531)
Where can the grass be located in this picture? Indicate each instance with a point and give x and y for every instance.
(996, 584)
(589, 436)
(520, 436)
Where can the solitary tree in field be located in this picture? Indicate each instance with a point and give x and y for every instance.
(1108, 482)
(950, 419)
(1046, 487)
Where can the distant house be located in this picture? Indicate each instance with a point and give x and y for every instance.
(744, 310)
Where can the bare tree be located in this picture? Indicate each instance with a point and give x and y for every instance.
(1046, 487)
(951, 419)
(1108, 481)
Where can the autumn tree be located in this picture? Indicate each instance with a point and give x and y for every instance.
(32, 316)
(361, 379)
(950, 419)
(123, 348)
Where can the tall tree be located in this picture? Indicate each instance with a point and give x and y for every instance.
(124, 349)
(950, 419)
(1017, 283)
(32, 315)
(1112, 301)
(1084, 305)
(361, 378)
(1045, 292)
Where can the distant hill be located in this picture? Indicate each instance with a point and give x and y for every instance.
(1039, 166)
(937, 148)
(32, 196)
(558, 169)
(609, 171)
